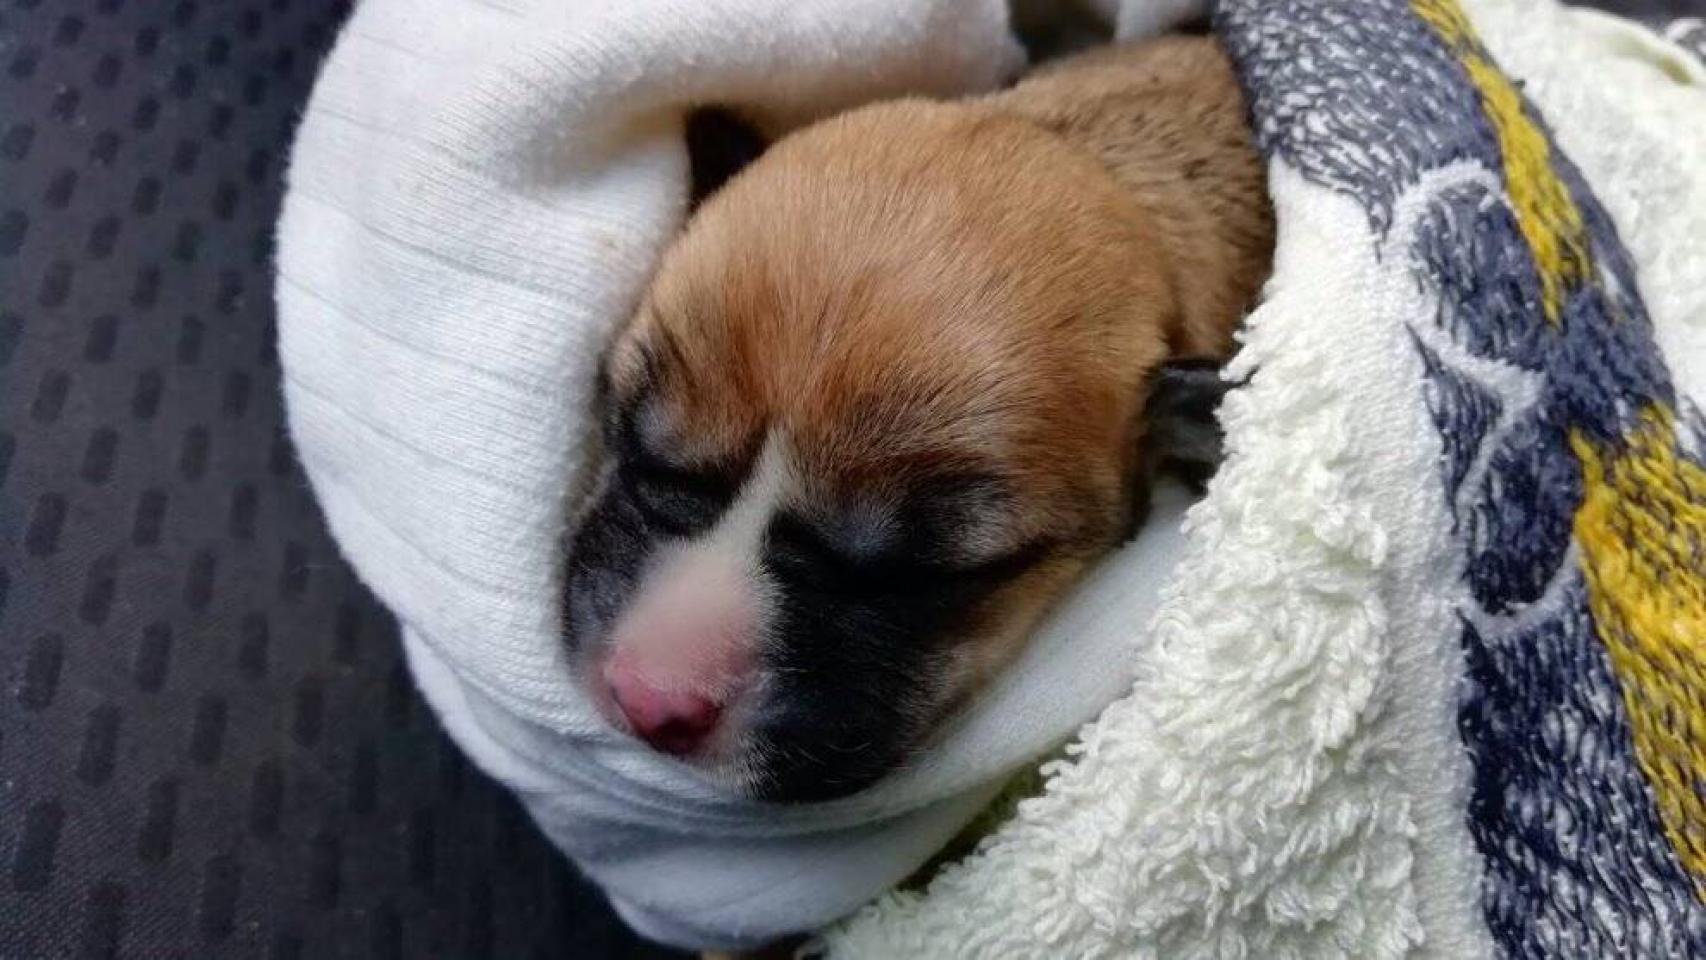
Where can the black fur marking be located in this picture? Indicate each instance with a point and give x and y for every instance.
(674, 503)
(861, 642)
(719, 145)
(606, 555)
(1184, 437)
(855, 660)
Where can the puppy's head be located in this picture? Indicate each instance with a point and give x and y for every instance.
(882, 404)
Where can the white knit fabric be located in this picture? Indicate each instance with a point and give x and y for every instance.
(451, 260)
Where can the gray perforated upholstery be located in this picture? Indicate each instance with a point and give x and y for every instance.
(208, 744)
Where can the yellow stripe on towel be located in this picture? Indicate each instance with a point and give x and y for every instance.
(1642, 532)
(1545, 212)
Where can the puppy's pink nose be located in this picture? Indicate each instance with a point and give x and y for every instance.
(675, 722)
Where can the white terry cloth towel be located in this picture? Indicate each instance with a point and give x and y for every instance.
(477, 194)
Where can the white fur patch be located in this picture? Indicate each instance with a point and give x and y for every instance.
(704, 605)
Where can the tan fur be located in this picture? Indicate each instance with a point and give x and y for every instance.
(917, 288)
(1168, 120)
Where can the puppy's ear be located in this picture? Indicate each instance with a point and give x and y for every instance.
(1183, 437)
(719, 145)
(1180, 433)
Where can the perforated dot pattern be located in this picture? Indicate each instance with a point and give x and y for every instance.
(209, 745)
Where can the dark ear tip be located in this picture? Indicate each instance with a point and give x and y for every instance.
(1199, 370)
(1189, 386)
(720, 143)
(1182, 435)
(1192, 364)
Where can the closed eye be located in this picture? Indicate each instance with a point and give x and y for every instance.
(674, 500)
(798, 547)
(1007, 564)
(677, 502)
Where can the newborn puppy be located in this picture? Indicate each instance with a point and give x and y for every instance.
(892, 391)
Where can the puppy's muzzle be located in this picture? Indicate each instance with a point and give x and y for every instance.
(682, 653)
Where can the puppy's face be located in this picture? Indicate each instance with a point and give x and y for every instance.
(881, 406)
